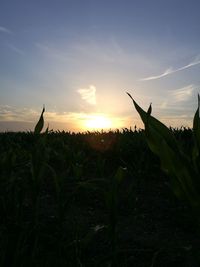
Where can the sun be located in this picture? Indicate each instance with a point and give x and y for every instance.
(98, 122)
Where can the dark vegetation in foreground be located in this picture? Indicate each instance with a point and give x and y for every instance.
(91, 199)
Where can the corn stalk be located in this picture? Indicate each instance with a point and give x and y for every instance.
(183, 169)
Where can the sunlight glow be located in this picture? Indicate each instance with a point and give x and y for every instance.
(97, 122)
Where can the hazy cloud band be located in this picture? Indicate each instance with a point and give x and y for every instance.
(171, 70)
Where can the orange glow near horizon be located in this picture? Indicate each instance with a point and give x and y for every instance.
(98, 122)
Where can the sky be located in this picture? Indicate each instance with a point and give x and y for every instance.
(80, 57)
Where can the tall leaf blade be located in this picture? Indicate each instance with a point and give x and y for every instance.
(178, 167)
(40, 124)
(163, 143)
(149, 110)
(196, 124)
(152, 124)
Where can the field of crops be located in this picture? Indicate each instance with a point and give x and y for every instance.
(91, 199)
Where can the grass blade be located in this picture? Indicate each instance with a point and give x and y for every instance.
(40, 124)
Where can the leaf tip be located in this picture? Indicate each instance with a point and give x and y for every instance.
(149, 109)
(129, 95)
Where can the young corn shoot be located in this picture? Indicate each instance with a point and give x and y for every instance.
(40, 124)
(112, 198)
(183, 169)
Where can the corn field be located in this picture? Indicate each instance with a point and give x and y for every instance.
(117, 198)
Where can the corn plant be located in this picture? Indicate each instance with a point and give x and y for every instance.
(40, 124)
(112, 198)
(38, 162)
(183, 169)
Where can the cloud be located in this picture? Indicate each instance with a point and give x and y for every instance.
(21, 119)
(8, 113)
(173, 98)
(169, 71)
(15, 49)
(183, 94)
(74, 51)
(164, 104)
(46, 48)
(16, 114)
(110, 51)
(5, 30)
(178, 121)
(53, 52)
(88, 94)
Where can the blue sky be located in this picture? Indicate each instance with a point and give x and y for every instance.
(79, 57)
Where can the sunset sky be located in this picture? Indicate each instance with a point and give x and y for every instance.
(79, 57)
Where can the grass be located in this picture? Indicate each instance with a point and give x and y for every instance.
(74, 200)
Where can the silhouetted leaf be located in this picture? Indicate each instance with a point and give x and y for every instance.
(119, 175)
(149, 110)
(40, 124)
(173, 161)
(196, 124)
(155, 127)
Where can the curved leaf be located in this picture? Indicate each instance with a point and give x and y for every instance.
(162, 142)
(152, 126)
(39, 126)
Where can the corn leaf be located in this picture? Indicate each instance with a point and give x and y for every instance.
(149, 110)
(178, 167)
(40, 124)
(196, 124)
(185, 179)
(155, 127)
(119, 175)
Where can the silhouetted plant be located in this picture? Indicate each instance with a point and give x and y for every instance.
(183, 169)
(40, 124)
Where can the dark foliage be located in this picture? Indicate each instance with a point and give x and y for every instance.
(60, 204)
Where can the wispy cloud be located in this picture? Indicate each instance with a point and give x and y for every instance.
(47, 49)
(165, 73)
(53, 52)
(9, 113)
(16, 49)
(183, 94)
(175, 97)
(88, 94)
(21, 119)
(178, 121)
(169, 71)
(111, 51)
(5, 30)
